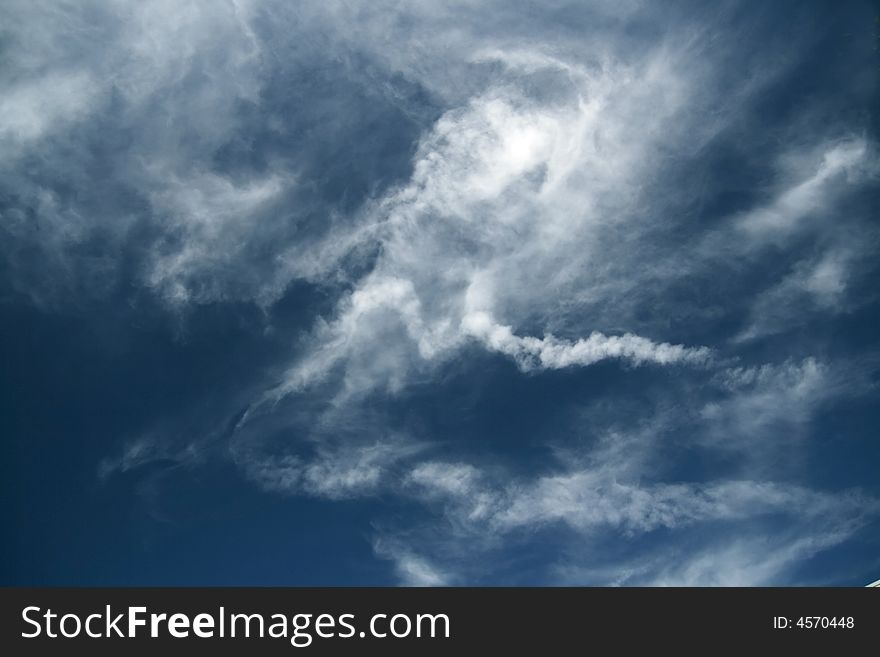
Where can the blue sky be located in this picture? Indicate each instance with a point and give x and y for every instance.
(485, 293)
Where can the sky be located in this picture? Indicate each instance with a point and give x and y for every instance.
(420, 293)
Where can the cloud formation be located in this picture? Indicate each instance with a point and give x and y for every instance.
(636, 199)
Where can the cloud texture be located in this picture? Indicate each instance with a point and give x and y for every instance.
(635, 202)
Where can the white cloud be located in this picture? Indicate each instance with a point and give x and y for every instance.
(333, 471)
(842, 163)
(212, 221)
(512, 209)
(32, 109)
(537, 205)
(817, 286)
(551, 193)
(598, 502)
(592, 499)
(757, 561)
(412, 570)
(744, 559)
(552, 353)
(767, 407)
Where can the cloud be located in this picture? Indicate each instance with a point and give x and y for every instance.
(767, 404)
(841, 164)
(762, 559)
(552, 353)
(412, 570)
(517, 191)
(32, 109)
(559, 186)
(735, 564)
(719, 533)
(333, 472)
(589, 500)
(818, 286)
(544, 203)
(211, 224)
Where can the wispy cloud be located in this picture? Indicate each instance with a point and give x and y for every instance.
(567, 187)
(412, 570)
(841, 164)
(334, 472)
(552, 353)
(729, 532)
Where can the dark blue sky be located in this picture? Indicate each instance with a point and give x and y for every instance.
(466, 293)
